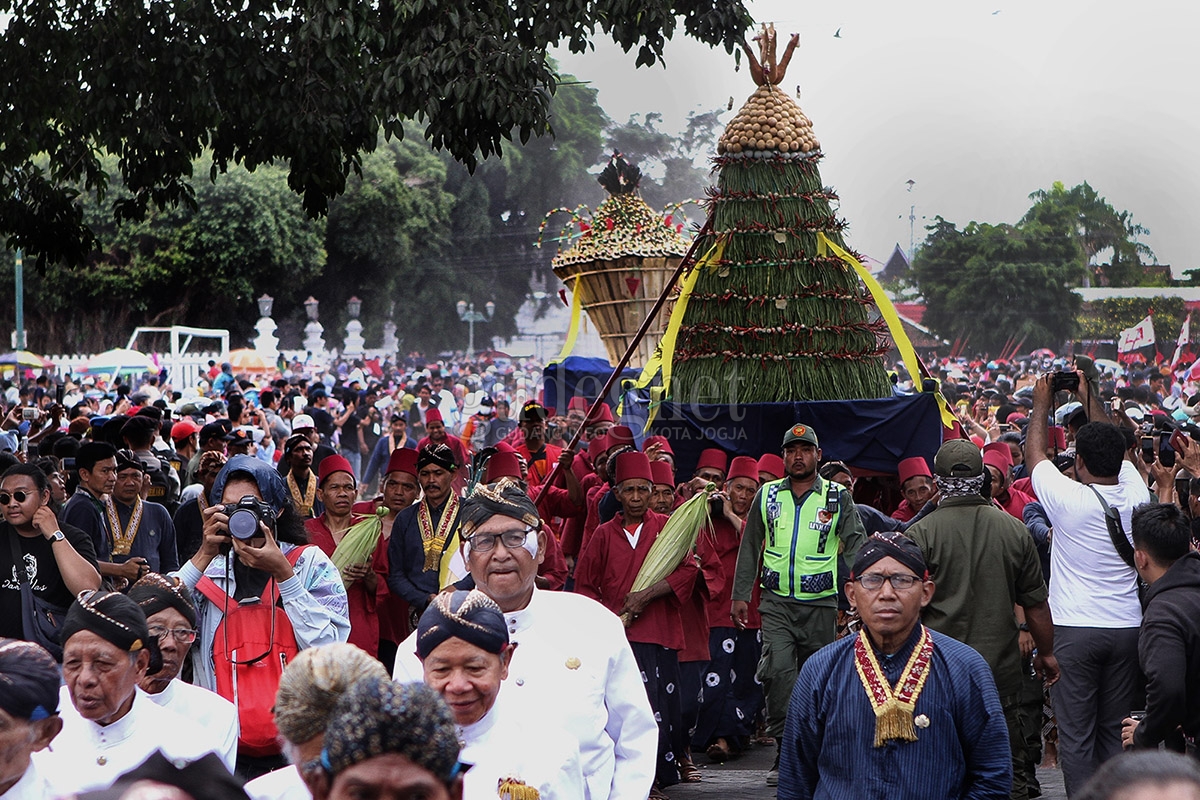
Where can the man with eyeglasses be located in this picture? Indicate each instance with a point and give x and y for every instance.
(110, 726)
(796, 529)
(171, 621)
(573, 666)
(897, 710)
(987, 569)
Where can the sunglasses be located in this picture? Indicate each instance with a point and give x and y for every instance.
(19, 496)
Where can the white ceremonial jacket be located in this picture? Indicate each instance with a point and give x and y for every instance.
(509, 743)
(208, 710)
(573, 669)
(87, 756)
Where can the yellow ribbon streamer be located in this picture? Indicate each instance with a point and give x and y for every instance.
(664, 355)
(888, 311)
(573, 328)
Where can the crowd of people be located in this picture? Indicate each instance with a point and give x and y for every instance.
(190, 603)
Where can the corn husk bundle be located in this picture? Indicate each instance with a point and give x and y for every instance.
(773, 321)
(360, 541)
(675, 542)
(624, 258)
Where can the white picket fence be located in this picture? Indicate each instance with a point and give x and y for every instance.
(186, 370)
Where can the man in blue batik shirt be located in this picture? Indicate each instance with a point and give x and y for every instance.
(897, 711)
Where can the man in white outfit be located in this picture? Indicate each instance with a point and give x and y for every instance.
(171, 620)
(110, 726)
(29, 720)
(572, 668)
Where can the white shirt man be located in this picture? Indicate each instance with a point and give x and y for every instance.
(572, 667)
(110, 726)
(171, 620)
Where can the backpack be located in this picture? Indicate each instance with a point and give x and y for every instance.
(251, 646)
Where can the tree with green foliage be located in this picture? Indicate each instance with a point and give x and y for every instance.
(160, 84)
(1094, 226)
(990, 285)
(192, 266)
(669, 163)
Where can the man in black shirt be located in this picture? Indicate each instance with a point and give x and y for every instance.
(57, 560)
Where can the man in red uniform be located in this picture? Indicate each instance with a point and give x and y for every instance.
(366, 583)
(770, 467)
(731, 698)
(594, 475)
(917, 486)
(997, 459)
(606, 572)
(400, 490)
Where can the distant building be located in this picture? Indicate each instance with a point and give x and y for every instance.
(897, 266)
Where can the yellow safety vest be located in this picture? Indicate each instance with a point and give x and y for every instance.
(801, 547)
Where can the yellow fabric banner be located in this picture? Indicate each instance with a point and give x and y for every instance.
(664, 354)
(890, 316)
(573, 328)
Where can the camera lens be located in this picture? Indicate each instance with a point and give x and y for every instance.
(243, 524)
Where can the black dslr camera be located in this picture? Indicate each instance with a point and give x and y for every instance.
(1065, 381)
(245, 516)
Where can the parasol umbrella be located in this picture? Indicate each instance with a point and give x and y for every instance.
(247, 360)
(118, 361)
(24, 358)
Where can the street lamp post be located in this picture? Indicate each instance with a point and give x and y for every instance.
(468, 314)
(353, 345)
(266, 344)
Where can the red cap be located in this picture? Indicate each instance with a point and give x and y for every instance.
(1057, 437)
(598, 445)
(403, 460)
(743, 467)
(620, 435)
(914, 467)
(978, 440)
(659, 440)
(771, 464)
(998, 455)
(662, 472)
(505, 447)
(632, 466)
(433, 415)
(713, 458)
(502, 465)
(183, 429)
(578, 404)
(603, 414)
(332, 464)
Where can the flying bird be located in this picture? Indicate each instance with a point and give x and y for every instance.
(997, 11)
(838, 34)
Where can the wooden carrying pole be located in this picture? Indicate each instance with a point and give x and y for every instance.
(689, 258)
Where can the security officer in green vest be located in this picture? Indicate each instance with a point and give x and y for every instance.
(795, 530)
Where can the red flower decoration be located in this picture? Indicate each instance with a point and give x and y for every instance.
(608, 223)
(583, 226)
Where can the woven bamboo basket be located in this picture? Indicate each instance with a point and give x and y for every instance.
(616, 313)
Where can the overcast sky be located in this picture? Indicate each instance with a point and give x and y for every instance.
(979, 102)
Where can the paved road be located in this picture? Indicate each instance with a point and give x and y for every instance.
(745, 778)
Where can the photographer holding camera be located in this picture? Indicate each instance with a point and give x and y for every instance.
(1094, 593)
(255, 547)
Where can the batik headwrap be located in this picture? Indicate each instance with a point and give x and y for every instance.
(438, 454)
(471, 616)
(890, 544)
(29, 680)
(114, 618)
(505, 497)
(155, 593)
(379, 716)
